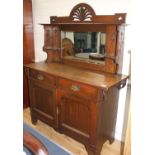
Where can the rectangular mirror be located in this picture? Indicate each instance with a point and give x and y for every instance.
(83, 45)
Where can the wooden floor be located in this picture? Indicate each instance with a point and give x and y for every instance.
(67, 142)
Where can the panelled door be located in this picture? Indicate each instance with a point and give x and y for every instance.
(75, 116)
(43, 102)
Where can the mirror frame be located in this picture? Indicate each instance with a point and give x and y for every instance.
(82, 18)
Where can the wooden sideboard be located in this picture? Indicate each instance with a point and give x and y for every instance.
(74, 101)
(79, 97)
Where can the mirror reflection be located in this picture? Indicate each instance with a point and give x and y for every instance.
(85, 45)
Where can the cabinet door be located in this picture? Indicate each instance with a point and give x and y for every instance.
(75, 116)
(43, 104)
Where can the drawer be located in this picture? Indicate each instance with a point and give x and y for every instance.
(79, 89)
(42, 77)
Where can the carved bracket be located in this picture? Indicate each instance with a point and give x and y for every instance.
(102, 97)
(122, 84)
(82, 12)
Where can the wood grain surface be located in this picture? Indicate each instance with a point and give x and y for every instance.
(102, 80)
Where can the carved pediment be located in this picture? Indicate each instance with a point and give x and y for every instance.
(82, 12)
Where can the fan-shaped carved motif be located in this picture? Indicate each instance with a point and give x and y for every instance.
(82, 12)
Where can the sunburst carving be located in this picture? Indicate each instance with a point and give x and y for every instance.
(82, 12)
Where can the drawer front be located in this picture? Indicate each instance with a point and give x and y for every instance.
(79, 89)
(42, 77)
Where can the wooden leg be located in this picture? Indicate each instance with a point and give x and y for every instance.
(90, 152)
(33, 119)
(93, 151)
(111, 140)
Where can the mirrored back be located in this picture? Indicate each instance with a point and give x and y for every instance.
(84, 45)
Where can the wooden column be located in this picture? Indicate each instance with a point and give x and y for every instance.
(28, 44)
(52, 43)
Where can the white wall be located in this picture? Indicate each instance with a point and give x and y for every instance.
(43, 9)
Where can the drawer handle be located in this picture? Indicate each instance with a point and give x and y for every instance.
(40, 77)
(75, 88)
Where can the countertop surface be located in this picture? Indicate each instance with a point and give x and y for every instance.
(102, 80)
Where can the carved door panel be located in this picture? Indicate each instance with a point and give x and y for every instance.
(75, 115)
(43, 103)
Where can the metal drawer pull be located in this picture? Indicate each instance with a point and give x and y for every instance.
(75, 88)
(40, 77)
